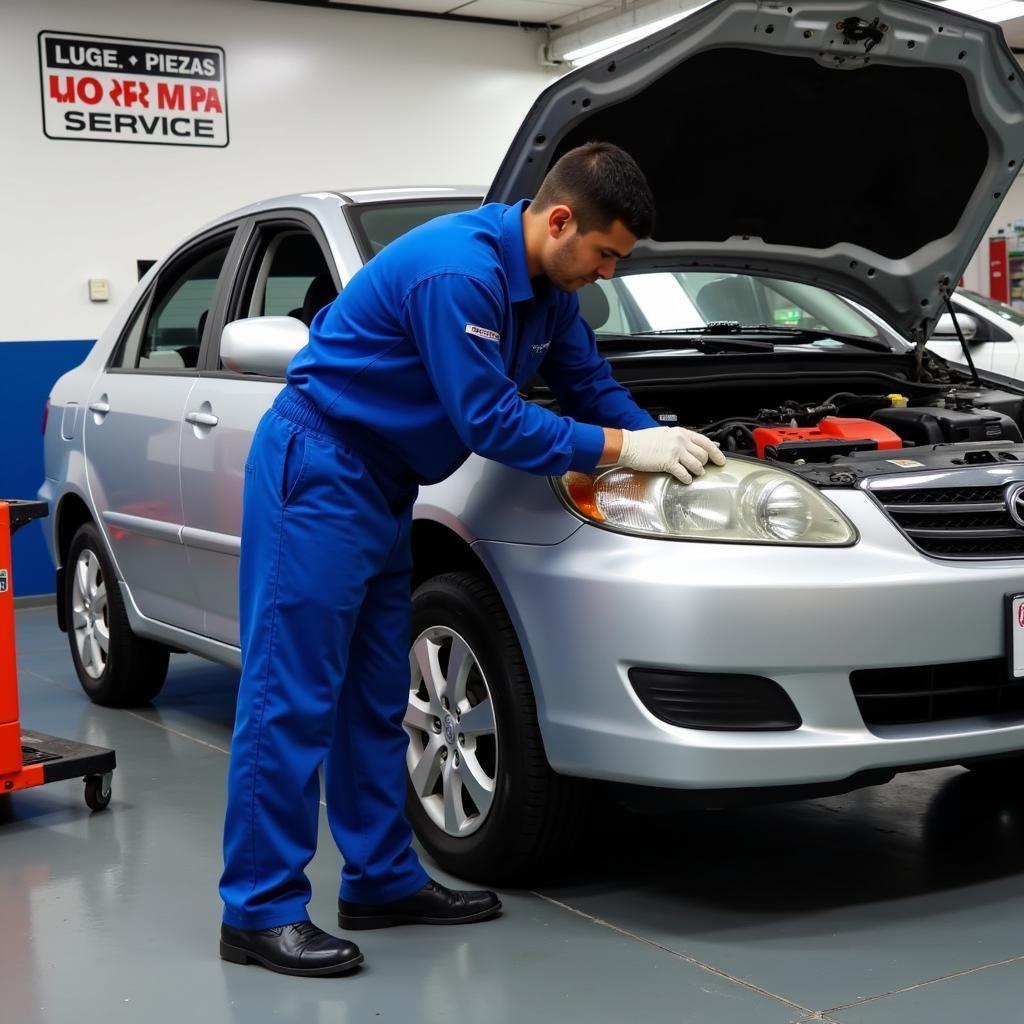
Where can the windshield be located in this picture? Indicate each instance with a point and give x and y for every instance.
(379, 224)
(994, 306)
(638, 304)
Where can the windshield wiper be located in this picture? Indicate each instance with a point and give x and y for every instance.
(795, 335)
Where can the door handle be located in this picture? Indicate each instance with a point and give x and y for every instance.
(202, 419)
(102, 407)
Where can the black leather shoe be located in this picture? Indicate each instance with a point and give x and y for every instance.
(433, 904)
(299, 948)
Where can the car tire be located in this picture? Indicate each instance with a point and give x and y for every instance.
(115, 667)
(534, 815)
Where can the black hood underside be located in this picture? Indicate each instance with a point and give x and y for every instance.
(737, 142)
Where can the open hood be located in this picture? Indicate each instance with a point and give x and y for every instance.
(861, 146)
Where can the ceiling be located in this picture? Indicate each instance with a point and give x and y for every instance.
(537, 14)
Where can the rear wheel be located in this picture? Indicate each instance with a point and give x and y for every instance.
(115, 667)
(482, 797)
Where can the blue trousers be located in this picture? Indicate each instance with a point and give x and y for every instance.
(325, 609)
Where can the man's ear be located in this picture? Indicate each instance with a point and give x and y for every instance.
(559, 219)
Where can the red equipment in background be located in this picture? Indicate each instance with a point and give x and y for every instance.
(33, 759)
(998, 270)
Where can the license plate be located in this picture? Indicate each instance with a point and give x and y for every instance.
(1015, 636)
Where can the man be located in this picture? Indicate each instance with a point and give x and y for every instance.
(418, 362)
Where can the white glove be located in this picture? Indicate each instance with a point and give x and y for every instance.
(675, 450)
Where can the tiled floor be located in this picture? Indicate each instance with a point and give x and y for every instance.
(903, 903)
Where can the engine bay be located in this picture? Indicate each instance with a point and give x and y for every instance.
(845, 423)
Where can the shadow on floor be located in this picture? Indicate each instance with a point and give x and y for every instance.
(923, 833)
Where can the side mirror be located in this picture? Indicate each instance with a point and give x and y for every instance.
(945, 330)
(262, 344)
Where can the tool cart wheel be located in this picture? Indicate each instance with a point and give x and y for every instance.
(97, 791)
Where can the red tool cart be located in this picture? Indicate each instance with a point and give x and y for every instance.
(30, 759)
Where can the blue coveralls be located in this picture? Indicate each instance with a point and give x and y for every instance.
(415, 364)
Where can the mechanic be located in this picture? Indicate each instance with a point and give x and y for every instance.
(417, 363)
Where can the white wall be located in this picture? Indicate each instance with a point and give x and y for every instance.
(317, 99)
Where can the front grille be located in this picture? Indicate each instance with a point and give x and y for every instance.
(954, 522)
(936, 693)
(715, 700)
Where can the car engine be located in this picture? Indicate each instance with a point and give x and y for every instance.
(801, 433)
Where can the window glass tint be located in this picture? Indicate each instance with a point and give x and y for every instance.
(670, 301)
(174, 329)
(292, 277)
(382, 224)
(127, 353)
(995, 306)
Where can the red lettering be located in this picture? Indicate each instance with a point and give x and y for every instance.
(206, 99)
(65, 94)
(168, 98)
(213, 101)
(133, 94)
(89, 91)
(129, 93)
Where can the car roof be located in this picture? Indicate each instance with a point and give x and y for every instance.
(313, 201)
(404, 194)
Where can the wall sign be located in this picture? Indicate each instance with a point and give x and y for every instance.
(105, 89)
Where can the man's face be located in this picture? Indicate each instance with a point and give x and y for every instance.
(571, 259)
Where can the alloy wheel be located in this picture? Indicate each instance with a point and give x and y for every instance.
(90, 614)
(453, 741)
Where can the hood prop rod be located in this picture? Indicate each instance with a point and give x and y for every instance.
(960, 334)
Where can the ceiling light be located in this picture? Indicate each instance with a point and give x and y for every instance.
(987, 10)
(1003, 12)
(586, 53)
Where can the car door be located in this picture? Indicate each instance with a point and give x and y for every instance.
(133, 428)
(283, 271)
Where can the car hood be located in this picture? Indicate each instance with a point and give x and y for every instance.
(863, 147)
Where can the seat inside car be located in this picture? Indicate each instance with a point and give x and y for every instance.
(321, 292)
(729, 298)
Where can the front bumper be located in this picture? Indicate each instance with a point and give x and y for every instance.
(599, 603)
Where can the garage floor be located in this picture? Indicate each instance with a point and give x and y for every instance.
(902, 903)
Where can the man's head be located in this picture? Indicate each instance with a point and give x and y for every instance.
(590, 210)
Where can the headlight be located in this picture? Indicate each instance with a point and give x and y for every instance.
(743, 501)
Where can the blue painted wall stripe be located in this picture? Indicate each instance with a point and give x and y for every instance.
(28, 370)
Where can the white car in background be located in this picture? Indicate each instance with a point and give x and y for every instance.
(993, 330)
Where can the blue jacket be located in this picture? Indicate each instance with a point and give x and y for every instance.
(427, 348)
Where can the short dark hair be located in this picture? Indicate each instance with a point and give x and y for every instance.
(601, 184)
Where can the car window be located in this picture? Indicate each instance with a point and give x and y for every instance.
(667, 301)
(290, 276)
(379, 224)
(166, 330)
(1001, 310)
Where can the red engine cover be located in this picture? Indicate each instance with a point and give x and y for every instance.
(831, 428)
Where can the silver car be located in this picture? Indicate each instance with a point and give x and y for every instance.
(840, 602)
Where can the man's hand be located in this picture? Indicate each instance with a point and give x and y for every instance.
(675, 450)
